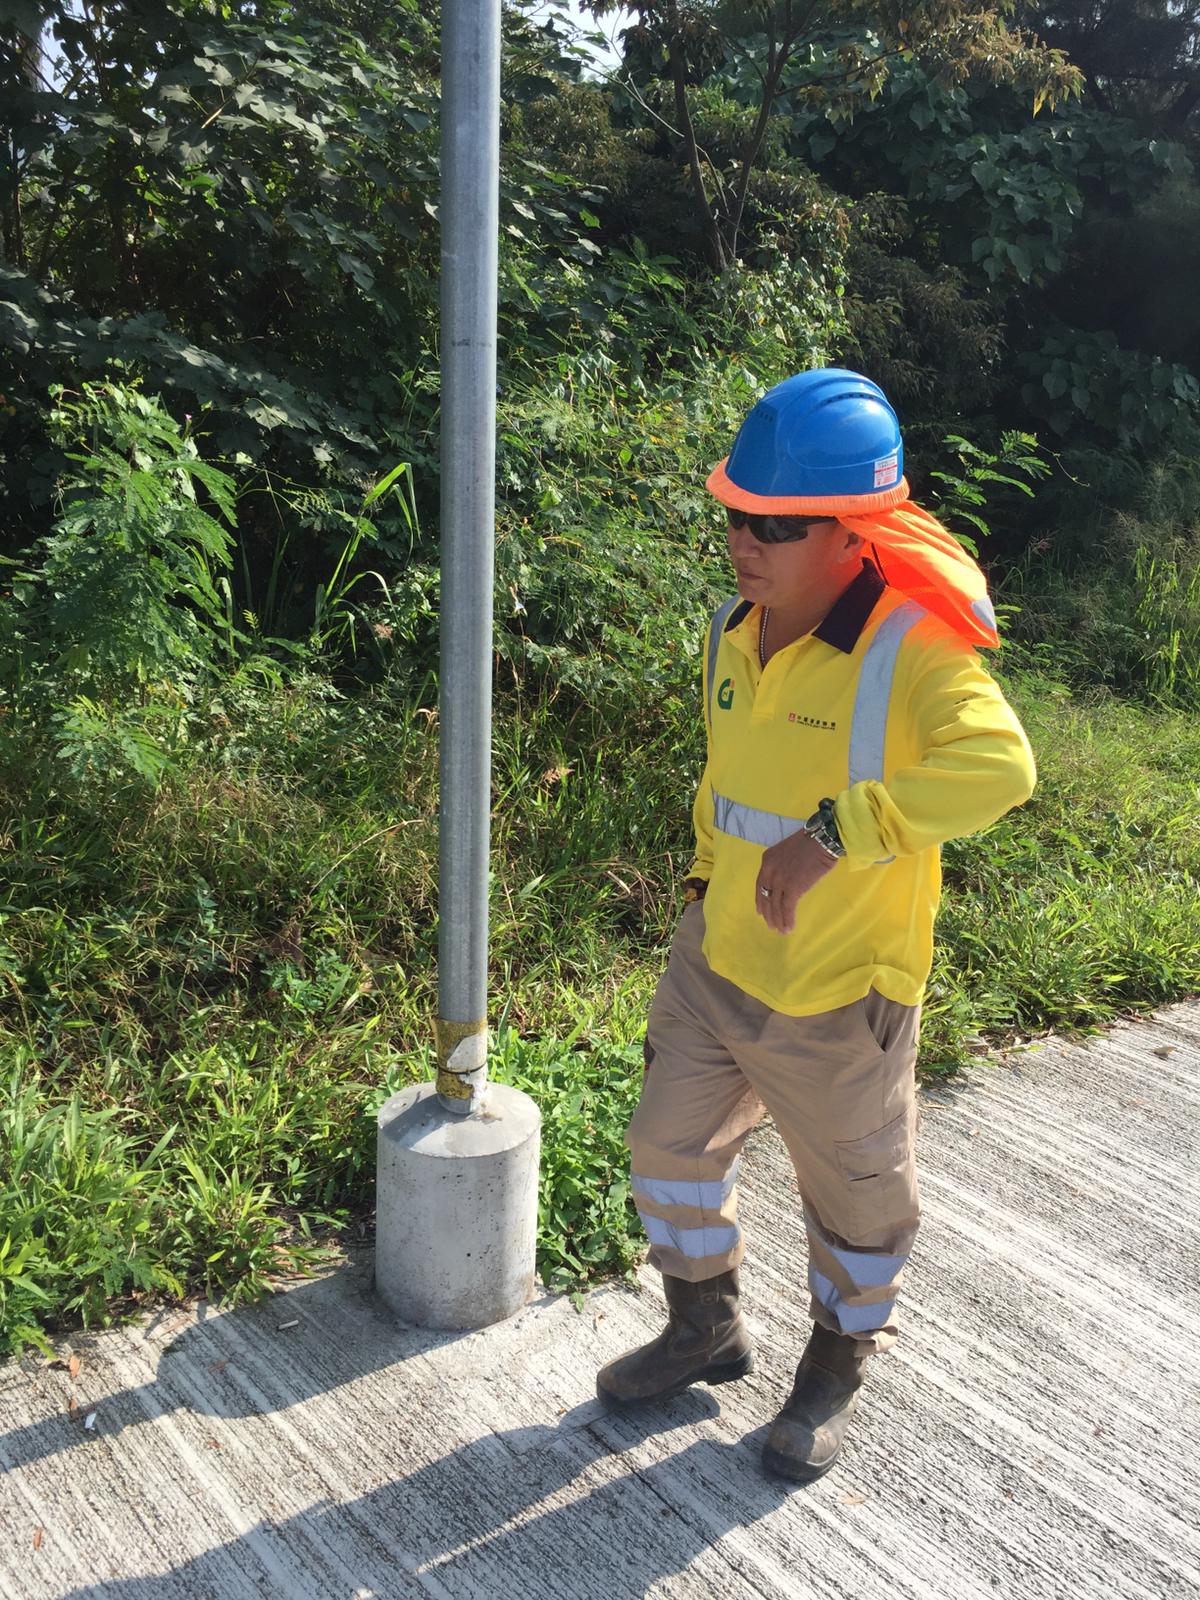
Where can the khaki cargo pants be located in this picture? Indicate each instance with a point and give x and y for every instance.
(840, 1087)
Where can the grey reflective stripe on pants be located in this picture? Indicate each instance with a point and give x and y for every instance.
(868, 731)
(716, 628)
(850, 1319)
(705, 1195)
(697, 1196)
(866, 1270)
(694, 1242)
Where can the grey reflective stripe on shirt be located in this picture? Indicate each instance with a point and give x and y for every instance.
(868, 731)
(716, 628)
(748, 822)
(868, 726)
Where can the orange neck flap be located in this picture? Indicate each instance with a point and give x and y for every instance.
(918, 556)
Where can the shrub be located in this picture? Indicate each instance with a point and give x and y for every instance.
(116, 616)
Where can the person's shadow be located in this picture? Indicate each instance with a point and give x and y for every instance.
(555, 1509)
(545, 1510)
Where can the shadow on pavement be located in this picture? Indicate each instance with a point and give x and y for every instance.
(474, 1522)
(240, 1363)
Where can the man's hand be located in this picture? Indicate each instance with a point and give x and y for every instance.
(789, 869)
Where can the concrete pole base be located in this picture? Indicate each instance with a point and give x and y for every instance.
(456, 1207)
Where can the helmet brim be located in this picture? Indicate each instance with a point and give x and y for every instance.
(722, 487)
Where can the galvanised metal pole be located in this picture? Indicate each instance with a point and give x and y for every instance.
(470, 229)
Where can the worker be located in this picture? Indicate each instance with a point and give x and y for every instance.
(851, 730)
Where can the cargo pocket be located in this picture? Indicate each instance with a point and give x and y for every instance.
(879, 1171)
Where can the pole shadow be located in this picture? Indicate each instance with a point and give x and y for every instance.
(239, 1363)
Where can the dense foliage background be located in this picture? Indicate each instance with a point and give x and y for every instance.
(219, 570)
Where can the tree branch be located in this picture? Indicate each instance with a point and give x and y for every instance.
(1181, 110)
(739, 49)
(683, 112)
(676, 133)
(777, 59)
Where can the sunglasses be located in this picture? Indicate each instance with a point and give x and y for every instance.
(773, 530)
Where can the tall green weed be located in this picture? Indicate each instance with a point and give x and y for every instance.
(78, 1200)
(1109, 593)
(114, 619)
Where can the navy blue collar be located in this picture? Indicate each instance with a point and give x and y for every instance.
(847, 617)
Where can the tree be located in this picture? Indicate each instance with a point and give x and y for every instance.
(773, 50)
(1138, 58)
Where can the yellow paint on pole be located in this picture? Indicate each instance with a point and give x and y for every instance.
(461, 1054)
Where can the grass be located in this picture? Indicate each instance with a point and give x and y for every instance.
(204, 995)
(1083, 905)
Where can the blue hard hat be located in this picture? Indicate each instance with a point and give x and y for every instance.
(825, 435)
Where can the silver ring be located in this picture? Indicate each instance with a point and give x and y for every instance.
(766, 893)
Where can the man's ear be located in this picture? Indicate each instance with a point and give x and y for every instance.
(851, 545)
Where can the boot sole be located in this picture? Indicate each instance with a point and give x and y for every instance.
(797, 1471)
(719, 1372)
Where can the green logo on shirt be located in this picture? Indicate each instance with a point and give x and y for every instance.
(725, 694)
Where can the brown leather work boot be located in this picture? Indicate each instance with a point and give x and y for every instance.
(705, 1341)
(807, 1434)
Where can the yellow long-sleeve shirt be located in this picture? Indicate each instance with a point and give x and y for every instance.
(887, 711)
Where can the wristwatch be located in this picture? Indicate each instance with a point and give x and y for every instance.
(821, 827)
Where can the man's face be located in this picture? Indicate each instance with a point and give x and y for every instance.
(783, 574)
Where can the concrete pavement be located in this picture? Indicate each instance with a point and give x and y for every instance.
(1035, 1434)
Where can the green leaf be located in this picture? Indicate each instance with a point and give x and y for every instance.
(386, 483)
(266, 416)
(1020, 258)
